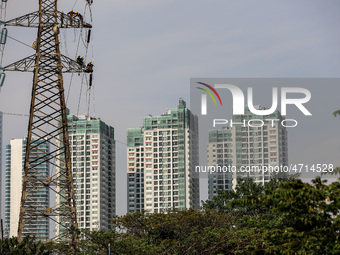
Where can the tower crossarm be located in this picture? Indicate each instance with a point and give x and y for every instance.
(28, 64)
(63, 20)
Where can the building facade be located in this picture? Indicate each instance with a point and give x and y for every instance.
(245, 145)
(220, 153)
(161, 161)
(92, 148)
(15, 159)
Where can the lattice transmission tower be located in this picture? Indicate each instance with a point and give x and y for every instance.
(48, 123)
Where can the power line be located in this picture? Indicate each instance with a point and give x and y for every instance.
(74, 4)
(121, 142)
(15, 114)
(26, 115)
(19, 41)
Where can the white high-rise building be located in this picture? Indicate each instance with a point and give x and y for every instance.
(15, 158)
(243, 145)
(92, 147)
(162, 156)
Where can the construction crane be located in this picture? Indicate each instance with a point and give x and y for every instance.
(48, 122)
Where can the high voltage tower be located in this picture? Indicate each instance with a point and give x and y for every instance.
(48, 122)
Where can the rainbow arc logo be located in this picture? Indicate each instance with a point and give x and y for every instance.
(209, 93)
(204, 97)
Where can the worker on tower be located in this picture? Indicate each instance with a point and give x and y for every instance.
(79, 16)
(62, 18)
(89, 67)
(71, 14)
(80, 61)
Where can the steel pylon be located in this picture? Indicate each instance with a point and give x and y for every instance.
(48, 122)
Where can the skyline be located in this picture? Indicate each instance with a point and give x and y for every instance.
(155, 47)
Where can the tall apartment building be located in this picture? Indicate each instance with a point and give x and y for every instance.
(92, 147)
(161, 161)
(243, 145)
(15, 158)
(220, 153)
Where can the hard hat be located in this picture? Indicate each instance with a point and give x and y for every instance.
(90, 61)
(71, 10)
(77, 12)
(78, 55)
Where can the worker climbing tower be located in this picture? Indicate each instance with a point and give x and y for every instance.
(48, 123)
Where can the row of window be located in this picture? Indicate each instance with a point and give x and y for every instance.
(161, 138)
(155, 133)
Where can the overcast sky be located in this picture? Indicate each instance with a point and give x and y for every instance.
(146, 51)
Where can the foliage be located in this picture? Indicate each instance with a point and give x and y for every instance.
(335, 171)
(336, 113)
(287, 217)
(29, 245)
(282, 217)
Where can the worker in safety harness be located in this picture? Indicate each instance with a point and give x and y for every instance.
(80, 61)
(89, 67)
(79, 16)
(62, 18)
(71, 14)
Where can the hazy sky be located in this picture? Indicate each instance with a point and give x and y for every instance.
(146, 51)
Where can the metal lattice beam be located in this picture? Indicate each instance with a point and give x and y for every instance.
(28, 64)
(64, 20)
(48, 123)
